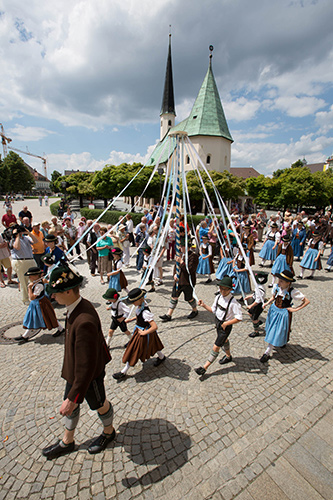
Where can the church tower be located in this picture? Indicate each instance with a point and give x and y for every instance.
(168, 113)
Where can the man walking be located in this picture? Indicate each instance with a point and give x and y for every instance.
(85, 357)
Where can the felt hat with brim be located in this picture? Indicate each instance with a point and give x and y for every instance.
(261, 277)
(274, 225)
(225, 282)
(48, 259)
(63, 277)
(50, 237)
(136, 294)
(111, 293)
(247, 226)
(116, 251)
(286, 238)
(316, 233)
(286, 275)
(32, 271)
(147, 250)
(122, 227)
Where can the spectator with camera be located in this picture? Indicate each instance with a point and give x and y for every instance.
(22, 256)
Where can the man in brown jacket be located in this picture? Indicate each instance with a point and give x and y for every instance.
(185, 283)
(85, 357)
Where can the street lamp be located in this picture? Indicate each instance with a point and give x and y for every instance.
(160, 171)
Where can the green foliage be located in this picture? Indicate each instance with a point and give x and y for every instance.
(54, 177)
(229, 186)
(15, 175)
(110, 217)
(54, 208)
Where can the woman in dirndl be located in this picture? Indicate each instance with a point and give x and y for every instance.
(145, 341)
(284, 259)
(117, 277)
(225, 264)
(205, 265)
(269, 248)
(279, 316)
(311, 259)
(240, 275)
(298, 240)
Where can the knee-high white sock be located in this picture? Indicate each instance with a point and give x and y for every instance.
(60, 327)
(269, 349)
(160, 354)
(126, 368)
(312, 272)
(301, 272)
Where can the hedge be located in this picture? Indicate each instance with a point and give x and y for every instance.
(112, 216)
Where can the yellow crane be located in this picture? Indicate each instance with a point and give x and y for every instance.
(5, 140)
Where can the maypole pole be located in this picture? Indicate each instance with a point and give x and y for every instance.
(179, 137)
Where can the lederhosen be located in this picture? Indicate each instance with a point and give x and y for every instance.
(283, 303)
(115, 323)
(222, 335)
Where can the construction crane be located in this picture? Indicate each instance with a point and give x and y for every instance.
(35, 156)
(4, 140)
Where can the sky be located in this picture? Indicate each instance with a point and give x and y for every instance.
(82, 81)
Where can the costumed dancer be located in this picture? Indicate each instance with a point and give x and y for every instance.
(205, 265)
(240, 275)
(185, 283)
(284, 258)
(117, 276)
(311, 259)
(146, 263)
(227, 313)
(145, 341)
(247, 239)
(225, 264)
(119, 313)
(52, 249)
(269, 248)
(40, 313)
(278, 322)
(256, 308)
(298, 240)
(329, 263)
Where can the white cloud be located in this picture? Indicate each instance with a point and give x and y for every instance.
(27, 134)
(241, 109)
(298, 107)
(325, 120)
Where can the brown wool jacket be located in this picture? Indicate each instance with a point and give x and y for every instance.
(86, 352)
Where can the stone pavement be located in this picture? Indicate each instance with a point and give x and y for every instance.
(245, 431)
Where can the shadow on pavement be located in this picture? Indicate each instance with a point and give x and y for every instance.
(245, 364)
(153, 442)
(172, 368)
(295, 352)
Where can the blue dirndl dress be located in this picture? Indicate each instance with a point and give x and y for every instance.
(330, 259)
(224, 269)
(280, 264)
(308, 261)
(267, 252)
(33, 318)
(298, 249)
(277, 326)
(241, 282)
(114, 282)
(203, 265)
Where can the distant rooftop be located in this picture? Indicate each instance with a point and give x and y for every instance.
(244, 172)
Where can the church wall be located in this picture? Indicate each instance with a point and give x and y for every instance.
(218, 148)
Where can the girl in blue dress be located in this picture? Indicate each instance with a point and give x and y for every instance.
(311, 259)
(240, 275)
(269, 248)
(40, 313)
(298, 240)
(284, 259)
(329, 263)
(279, 316)
(205, 265)
(117, 276)
(225, 264)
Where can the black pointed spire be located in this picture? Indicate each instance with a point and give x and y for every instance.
(168, 102)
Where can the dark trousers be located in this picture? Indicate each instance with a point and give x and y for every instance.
(93, 261)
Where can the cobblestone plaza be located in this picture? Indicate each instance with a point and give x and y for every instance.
(245, 430)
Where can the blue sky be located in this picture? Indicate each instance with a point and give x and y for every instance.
(82, 81)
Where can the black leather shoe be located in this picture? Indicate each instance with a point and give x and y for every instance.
(119, 375)
(100, 443)
(309, 278)
(208, 281)
(58, 333)
(165, 318)
(254, 334)
(193, 314)
(56, 450)
(200, 370)
(159, 361)
(264, 358)
(225, 360)
(21, 340)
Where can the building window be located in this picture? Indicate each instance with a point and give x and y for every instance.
(225, 160)
(169, 123)
(161, 123)
(208, 159)
(187, 159)
(195, 116)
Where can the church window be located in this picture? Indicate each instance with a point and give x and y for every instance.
(195, 116)
(225, 160)
(169, 123)
(208, 159)
(187, 159)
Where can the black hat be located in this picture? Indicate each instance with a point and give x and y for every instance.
(111, 293)
(48, 259)
(147, 250)
(274, 224)
(286, 238)
(316, 232)
(286, 275)
(32, 271)
(136, 294)
(247, 225)
(50, 237)
(225, 282)
(261, 277)
(63, 277)
(116, 251)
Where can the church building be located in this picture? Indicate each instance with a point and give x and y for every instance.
(206, 126)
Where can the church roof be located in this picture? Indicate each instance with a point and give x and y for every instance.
(168, 101)
(207, 115)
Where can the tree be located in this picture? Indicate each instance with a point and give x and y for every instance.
(54, 177)
(17, 175)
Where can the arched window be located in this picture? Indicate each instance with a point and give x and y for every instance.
(208, 159)
(187, 159)
(225, 160)
(169, 123)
